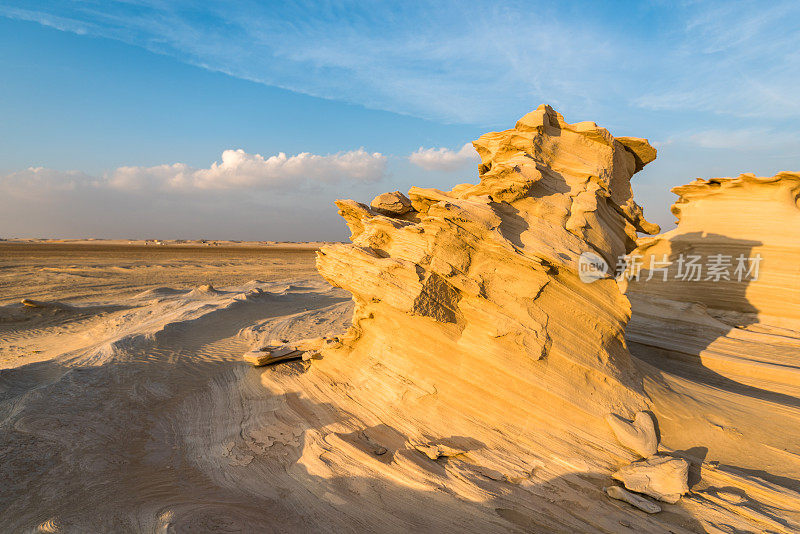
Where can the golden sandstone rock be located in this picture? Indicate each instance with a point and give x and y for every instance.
(662, 477)
(638, 435)
(716, 316)
(744, 232)
(391, 204)
(472, 316)
(615, 492)
(477, 288)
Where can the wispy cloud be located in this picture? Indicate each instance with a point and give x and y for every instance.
(733, 139)
(438, 60)
(444, 159)
(757, 138)
(473, 62)
(735, 58)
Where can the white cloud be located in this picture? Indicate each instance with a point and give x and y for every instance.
(35, 180)
(444, 159)
(238, 170)
(743, 139)
(242, 196)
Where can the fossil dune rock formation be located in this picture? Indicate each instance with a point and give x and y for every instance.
(469, 395)
(745, 231)
(477, 289)
(715, 330)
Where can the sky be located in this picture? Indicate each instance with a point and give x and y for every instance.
(246, 120)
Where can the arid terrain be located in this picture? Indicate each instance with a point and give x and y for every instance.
(469, 379)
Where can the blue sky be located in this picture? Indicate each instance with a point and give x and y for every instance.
(246, 120)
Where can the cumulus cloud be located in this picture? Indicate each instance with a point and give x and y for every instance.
(238, 170)
(244, 195)
(35, 180)
(444, 159)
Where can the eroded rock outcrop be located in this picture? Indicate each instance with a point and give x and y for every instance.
(477, 289)
(638, 435)
(736, 250)
(716, 320)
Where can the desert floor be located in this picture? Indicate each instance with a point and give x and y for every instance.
(125, 407)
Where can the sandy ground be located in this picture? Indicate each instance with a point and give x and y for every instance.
(127, 408)
(85, 270)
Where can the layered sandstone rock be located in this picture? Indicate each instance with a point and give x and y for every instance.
(477, 290)
(716, 313)
(638, 435)
(662, 477)
(745, 232)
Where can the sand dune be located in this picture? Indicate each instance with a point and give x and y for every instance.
(465, 383)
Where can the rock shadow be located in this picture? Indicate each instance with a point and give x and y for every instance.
(675, 343)
(725, 300)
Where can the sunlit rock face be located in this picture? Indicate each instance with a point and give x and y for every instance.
(477, 290)
(716, 309)
(744, 236)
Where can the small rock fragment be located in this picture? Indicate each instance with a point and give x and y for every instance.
(492, 474)
(332, 343)
(615, 492)
(270, 354)
(45, 304)
(434, 451)
(662, 477)
(431, 451)
(638, 435)
(312, 355)
(391, 204)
